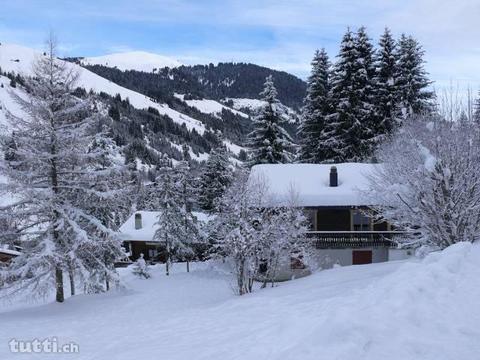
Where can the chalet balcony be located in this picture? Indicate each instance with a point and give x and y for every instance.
(347, 239)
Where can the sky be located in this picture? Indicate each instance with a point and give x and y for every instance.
(275, 33)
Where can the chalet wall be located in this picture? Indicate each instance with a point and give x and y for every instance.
(399, 254)
(328, 257)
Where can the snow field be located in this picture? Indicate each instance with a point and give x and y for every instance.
(397, 310)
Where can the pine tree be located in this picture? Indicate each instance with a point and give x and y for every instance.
(51, 177)
(215, 178)
(412, 78)
(107, 176)
(171, 229)
(476, 110)
(186, 200)
(316, 107)
(269, 143)
(365, 87)
(386, 87)
(349, 127)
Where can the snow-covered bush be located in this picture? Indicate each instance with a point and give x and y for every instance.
(254, 236)
(140, 268)
(429, 183)
(283, 238)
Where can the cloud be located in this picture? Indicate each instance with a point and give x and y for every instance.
(277, 33)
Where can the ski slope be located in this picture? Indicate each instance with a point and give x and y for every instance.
(208, 106)
(133, 60)
(416, 310)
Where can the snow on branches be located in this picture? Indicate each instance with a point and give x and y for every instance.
(269, 142)
(256, 237)
(63, 187)
(429, 183)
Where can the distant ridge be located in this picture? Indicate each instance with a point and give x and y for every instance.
(133, 60)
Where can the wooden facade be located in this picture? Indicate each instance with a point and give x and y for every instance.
(349, 235)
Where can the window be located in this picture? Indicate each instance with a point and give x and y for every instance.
(361, 222)
(152, 253)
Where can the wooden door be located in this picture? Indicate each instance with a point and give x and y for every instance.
(360, 257)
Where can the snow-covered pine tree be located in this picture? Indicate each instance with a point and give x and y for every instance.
(412, 80)
(476, 110)
(386, 95)
(50, 178)
(107, 175)
(186, 200)
(171, 229)
(215, 178)
(365, 88)
(269, 142)
(350, 125)
(312, 128)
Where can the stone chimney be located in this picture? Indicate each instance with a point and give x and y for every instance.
(138, 221)
(333, 177)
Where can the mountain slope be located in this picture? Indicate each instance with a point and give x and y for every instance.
(158, 112)
(19, 59)
(155, 128)
(133, 60)
(215, 82)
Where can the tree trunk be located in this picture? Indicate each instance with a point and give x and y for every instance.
(59, 284)
(107, 283)
(240, 279)
(167, 261)
(71, 276)
(188, 266)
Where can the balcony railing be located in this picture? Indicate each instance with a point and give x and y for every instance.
(346, 239)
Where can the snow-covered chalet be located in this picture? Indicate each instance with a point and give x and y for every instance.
(138, 235)
(333, 201)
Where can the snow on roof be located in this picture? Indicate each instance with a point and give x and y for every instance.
(147, 231)
(310, 182)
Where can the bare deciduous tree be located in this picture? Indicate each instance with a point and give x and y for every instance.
(429, 182)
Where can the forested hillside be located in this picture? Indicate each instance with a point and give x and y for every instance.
(225, 80)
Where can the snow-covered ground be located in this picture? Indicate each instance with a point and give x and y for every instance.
(398, 310)
(208, 106)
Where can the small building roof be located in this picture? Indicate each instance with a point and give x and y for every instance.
(311, 183)
(147, 231)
